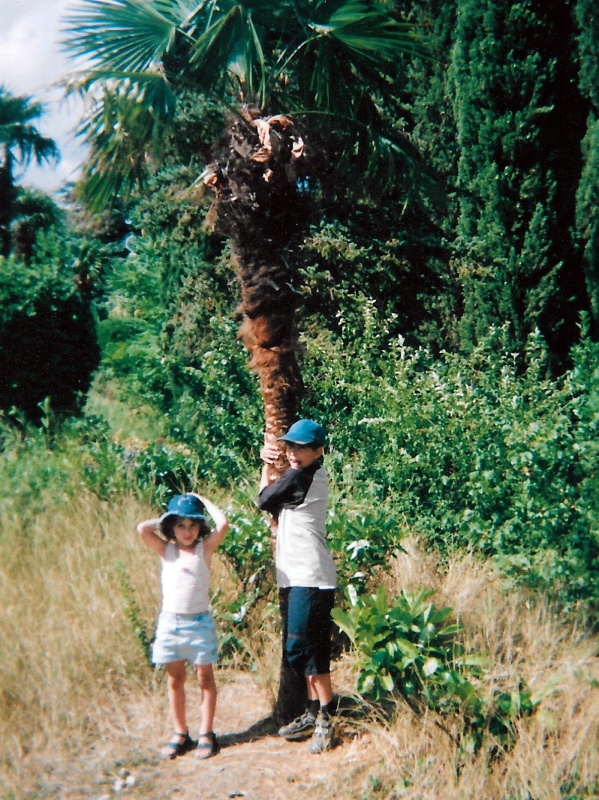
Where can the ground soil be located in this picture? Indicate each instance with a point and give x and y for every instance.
(254, 763)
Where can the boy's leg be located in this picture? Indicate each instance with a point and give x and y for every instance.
(298, 610)
(319, 667)
(292, 696)
(323, 736)
(321, 688)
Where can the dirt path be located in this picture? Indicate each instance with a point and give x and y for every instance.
(254, 763)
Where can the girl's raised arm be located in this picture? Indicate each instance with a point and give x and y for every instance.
(147, 532)
(220, 520)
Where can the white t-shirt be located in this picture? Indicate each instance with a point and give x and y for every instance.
(185, 580)
(299, 499)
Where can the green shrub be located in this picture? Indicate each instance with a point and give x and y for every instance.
(485, 451)
(364, 543)
(48, 346)
(411, 648)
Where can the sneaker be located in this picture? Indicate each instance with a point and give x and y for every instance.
(322, 738)
(300, 728)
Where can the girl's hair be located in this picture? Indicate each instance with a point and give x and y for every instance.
(168, 527)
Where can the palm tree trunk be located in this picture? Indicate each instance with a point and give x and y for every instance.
(270, 335)
(255, 175)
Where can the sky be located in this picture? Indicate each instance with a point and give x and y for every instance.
(31, 63)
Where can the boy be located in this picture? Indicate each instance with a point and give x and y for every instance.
(306, 573)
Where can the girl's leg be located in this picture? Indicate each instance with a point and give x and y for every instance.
(176, 694)
(207, 685)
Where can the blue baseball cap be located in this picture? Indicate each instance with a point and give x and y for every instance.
(184, 505)
(305, 431)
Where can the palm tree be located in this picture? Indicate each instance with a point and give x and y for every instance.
(33, 212)
(303, 83)
(272, 63)
(20, 141)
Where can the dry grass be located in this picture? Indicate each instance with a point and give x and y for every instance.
(77, 699)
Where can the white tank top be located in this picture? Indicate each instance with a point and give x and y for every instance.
(185, 580)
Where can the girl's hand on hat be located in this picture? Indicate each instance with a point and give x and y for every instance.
(270, 453)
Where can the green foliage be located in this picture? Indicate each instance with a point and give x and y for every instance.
(411, 648)
(247, 552)
(471, 452)
(246, 547)
(364, 543)
(47, 331)
(57, 459)
(366, 258)
(587, 196)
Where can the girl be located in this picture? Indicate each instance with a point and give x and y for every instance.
(186, 630)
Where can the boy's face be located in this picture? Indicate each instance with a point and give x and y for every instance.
(301, 455)
(186, 530)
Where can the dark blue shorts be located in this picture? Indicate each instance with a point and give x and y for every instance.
(307, 626)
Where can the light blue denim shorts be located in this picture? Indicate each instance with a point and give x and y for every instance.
(185, 637)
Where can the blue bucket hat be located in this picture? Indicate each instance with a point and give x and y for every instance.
(305, 431)
(184, 505)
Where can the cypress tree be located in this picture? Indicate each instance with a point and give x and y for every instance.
(587, 219)
(519, 120)
(434, 131)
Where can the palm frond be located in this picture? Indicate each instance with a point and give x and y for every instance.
(125, 34)
(367, 28)
(18, 109)
(230, 44)
(18, 133)
(126, 128)
(343, 47)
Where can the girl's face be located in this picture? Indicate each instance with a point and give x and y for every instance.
(301, 455)
(186, 531)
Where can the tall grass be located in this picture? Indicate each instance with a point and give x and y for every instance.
(66, 647)
(556, 753)
(73, 678)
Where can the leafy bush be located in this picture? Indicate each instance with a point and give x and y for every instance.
(58, 459)
(486, 452)
(364, 544)
(48, 344)
(412, 649)
(366, 258)
(169, 339)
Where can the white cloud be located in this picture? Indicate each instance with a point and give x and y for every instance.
(32, 64)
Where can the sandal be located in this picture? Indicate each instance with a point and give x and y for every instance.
(207, 749)
(176, 747)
